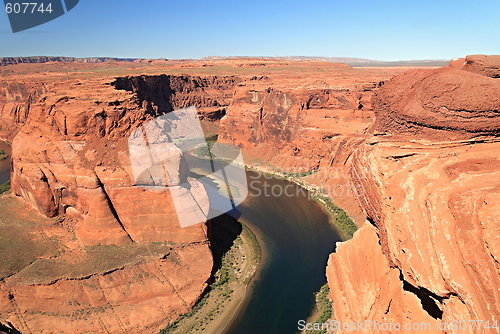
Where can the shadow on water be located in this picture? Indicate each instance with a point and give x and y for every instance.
(222, 231)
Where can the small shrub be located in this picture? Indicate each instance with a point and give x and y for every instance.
(324, 306)
(3, 155)
(5, 187)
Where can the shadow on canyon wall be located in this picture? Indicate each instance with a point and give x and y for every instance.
(10, 329)
(222, 231)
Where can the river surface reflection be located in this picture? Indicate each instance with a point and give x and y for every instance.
(296, 238)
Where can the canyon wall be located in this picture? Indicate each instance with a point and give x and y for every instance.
(412, 159)
(430, 177)
(417, 158)
(70, 159)
(293, 126)
(16, 99)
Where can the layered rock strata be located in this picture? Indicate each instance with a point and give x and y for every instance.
(70, 158)
(430, 251)
(420, 158)
(414, 156)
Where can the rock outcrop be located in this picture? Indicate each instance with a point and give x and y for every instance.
(140, 297)
(16, 99)
(70, 158)
(481, 64)
(441, 104)
(210, 95)
(429, 186)
(361, 300)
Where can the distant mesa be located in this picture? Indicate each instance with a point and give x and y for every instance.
(43, 59)
(354, 62)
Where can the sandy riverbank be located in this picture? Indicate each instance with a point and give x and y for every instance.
(230, 289)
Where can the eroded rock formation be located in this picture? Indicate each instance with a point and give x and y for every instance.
(421, 158)
(443, 104)
(141, 297)
(481, 64)
(70, 157)
(429, 186)
(415, 155)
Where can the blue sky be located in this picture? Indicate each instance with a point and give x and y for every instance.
(381, 29)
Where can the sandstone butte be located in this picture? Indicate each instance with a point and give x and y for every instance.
(410, 154)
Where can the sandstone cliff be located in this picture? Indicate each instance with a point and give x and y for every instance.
(481, 64)
(429, 181)
(296, 125)
(414, 156)
(420, 159)
(70, 159)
